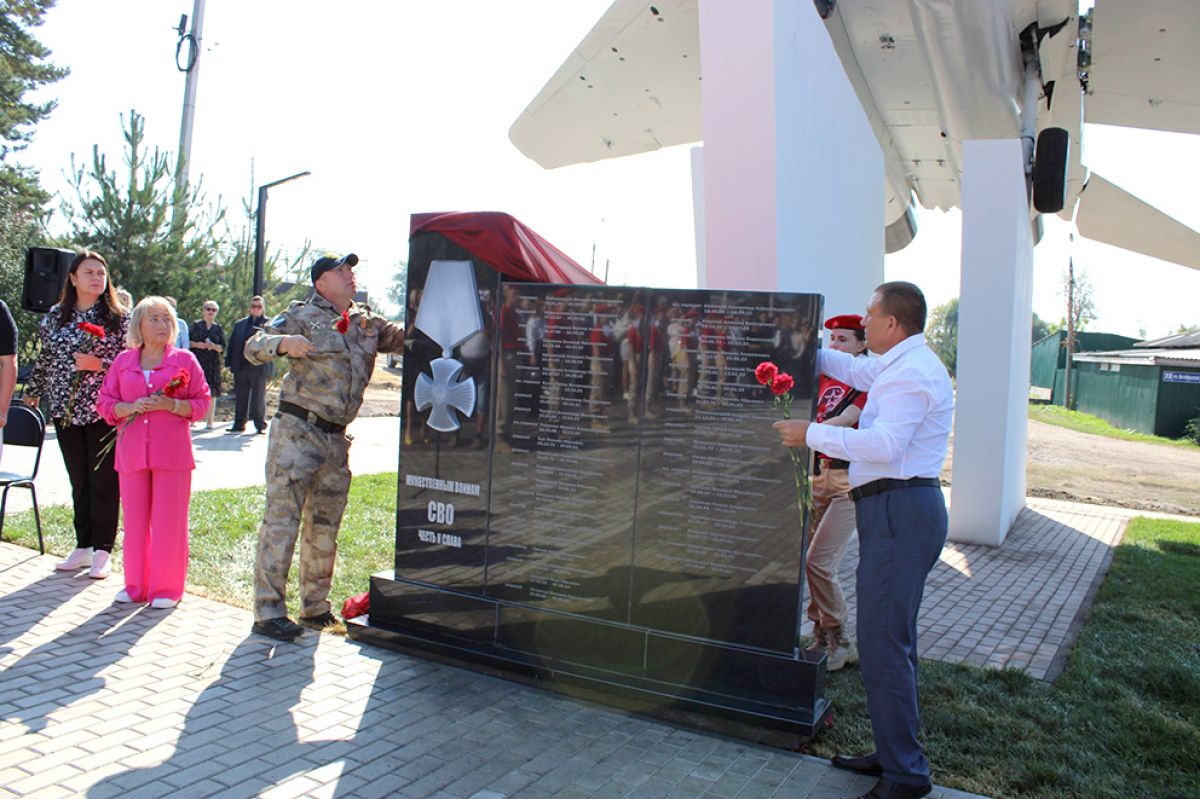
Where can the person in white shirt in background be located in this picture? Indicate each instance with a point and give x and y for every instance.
(895, 457)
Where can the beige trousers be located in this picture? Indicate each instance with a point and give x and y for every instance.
(833, 522)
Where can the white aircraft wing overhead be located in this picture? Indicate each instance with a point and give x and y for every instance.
(631, 86)
(1145, 65)
(1109, 214)
(930, 74)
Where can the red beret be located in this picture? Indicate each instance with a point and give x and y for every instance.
(847, 321)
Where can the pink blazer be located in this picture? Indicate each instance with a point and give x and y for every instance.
(158, 439)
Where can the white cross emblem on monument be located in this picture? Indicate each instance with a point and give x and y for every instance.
(441, 394)
(449, 315)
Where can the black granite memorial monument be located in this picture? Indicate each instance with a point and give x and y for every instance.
(590, 489)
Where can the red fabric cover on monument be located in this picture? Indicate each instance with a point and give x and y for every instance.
(506, 244)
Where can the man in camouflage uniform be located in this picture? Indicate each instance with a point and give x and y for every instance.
(332, 342)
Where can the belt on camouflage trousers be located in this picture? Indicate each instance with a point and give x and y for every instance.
(316, 421)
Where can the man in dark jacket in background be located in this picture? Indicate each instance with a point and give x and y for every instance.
(249, 380)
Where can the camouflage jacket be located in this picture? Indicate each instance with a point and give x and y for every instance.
(331, 380)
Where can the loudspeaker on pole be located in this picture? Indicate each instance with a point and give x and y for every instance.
(46, 271)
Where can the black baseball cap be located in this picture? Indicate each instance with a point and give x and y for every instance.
(331, 261)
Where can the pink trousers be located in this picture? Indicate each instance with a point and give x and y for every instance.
(155, 504)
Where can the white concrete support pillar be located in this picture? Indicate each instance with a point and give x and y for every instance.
(697, 161)
(994, 316)
(793, 193)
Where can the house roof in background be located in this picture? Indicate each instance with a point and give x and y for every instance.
(1145, 357)
(1177, 341)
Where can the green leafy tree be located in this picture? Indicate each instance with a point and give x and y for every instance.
(398, 289)
(942, 333)
(23, 69)
(1080, 298)
(1042, 328)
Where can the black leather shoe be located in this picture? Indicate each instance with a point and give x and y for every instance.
(281, 629)
(867, 764)
(235, 430)
(326, 619)
(886, 789)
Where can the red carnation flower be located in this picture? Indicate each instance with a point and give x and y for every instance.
(91, 334)
(765, 373)
(782, 384)
(356, 605)
(177, 383)
(343, 324)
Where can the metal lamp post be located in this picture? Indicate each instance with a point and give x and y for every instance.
(261, 229)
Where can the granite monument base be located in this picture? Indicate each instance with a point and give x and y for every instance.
(740, 691)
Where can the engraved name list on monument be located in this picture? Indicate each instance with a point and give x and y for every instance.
(563, 481)
(718, 529)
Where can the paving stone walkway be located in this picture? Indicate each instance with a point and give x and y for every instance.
(1019, 605)
(100, 700)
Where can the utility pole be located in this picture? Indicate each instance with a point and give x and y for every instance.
(1070, 326)
(187, 60)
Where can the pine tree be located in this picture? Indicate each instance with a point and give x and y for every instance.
(17, 232)
(23, 68)
(126, 216)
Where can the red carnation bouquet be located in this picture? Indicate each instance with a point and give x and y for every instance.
(174, 388)
(178, 383)
(91, 335)
(343, 322)
(780, 384)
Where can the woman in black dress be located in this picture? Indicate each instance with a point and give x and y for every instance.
(208, 342)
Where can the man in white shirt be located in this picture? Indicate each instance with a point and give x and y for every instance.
(895, 457)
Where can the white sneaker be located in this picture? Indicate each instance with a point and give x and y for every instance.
(162, 603)
(840, 652)
(122, 597)
(76, 560)
(100, 565)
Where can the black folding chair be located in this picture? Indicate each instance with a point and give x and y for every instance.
(26, 427)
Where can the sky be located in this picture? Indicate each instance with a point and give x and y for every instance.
(399, 107)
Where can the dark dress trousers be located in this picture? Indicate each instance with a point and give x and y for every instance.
(249, 380)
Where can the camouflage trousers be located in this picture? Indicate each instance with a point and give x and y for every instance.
(308, 477)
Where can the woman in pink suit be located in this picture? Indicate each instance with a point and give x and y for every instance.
(163, 389)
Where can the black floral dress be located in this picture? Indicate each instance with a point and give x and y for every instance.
(54, 370)
(210, 360)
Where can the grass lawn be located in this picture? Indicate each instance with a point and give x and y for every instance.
(1086, 423)
(1122, 721)
(224, 534)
